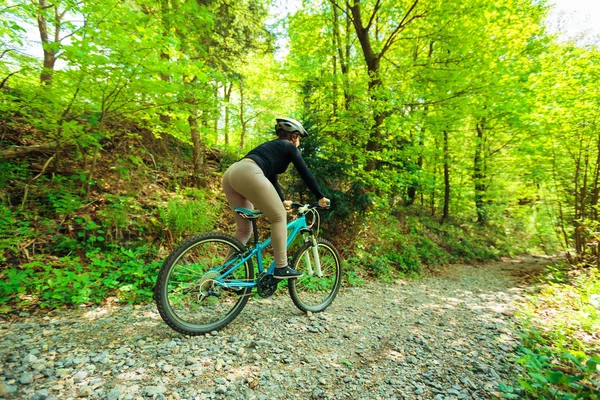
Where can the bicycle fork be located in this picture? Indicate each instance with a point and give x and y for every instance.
(315, 254)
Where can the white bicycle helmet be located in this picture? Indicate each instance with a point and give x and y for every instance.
(290, 125)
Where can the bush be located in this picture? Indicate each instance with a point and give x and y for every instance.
(403, 245)
(559, 361)
(185, 217)
(51, 282)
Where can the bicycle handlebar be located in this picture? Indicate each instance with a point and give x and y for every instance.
(303, 208)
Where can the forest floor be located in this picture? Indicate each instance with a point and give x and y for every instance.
(447, 336)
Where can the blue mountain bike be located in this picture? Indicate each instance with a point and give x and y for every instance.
(207, 280)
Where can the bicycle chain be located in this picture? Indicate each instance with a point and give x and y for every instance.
(266, 286)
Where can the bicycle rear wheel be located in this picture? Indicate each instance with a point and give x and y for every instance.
(314, 292)
(186, 293)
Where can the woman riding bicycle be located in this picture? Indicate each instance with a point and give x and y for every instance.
(253, 181)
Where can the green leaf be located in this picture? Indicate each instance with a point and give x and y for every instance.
(556, 377)
(539, 377)
(525, 384)
(592, 363)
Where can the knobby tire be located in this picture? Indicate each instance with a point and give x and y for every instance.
(312, 293)
(183, 276)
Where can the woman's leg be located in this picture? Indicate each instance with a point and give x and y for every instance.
(247, 179)
(243, 226)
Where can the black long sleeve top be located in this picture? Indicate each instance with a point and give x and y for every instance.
(275, 156)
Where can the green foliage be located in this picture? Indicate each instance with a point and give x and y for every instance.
(352, 278)
(189, 215)
(14, 229)
(55, 282)
(559, 358)
(55, 253)
(552, 374)
(403, 246)
(63, 198)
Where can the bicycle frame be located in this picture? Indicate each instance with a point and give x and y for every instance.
(295, 226)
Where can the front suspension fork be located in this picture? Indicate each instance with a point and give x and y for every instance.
(315, 255)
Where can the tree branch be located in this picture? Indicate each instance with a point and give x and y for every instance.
(7, 77)
(127, 81)
(455, 95)
(42, 24)
(375, 10)
(9, 7)
(56, 25)
(5, 51)
(334, 3)
(392, 38)
(44, 168)
(20, 151)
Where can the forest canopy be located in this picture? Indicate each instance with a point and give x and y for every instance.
(471, 112)
(470, 109)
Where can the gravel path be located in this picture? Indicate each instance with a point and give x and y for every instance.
(446, 337)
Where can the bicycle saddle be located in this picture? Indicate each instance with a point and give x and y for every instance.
(248, 214)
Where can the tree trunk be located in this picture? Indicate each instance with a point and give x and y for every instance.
(164, 118)
(576, 224)
(242, 120)
(216, 115)
(414, 186)
(334, 100)
(166, 25)
(445, 212)
(561, 214)
(411, 194)
(228, 89)
(49, 51)
(479, 173)
(412, 189)
(433, 188)
(595, 188)
(243, 136)
(198, 154)
(343, 52)
(580, 192)
(373, 60)
(435, 170)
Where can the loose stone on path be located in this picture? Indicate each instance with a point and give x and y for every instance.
(443, 337)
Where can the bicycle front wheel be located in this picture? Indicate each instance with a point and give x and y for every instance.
(187, 294)
(318, 287)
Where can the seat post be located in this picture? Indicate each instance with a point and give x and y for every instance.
(255, 231)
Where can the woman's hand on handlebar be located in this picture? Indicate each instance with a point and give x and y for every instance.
(324, 202)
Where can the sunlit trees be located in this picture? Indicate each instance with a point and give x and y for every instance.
(468, 110)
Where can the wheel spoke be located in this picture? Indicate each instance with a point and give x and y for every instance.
(312, 292)
(188, 293)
